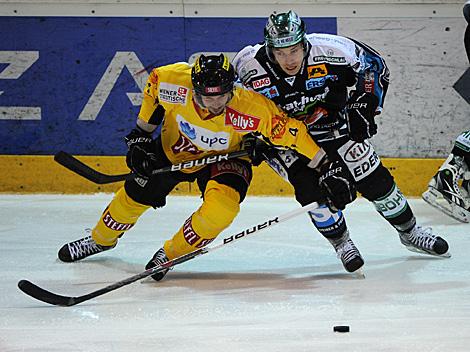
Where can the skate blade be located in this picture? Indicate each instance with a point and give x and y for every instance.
(420, 251)
(437, 200)
(359, 274)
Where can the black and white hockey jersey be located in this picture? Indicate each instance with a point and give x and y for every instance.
(333, 66)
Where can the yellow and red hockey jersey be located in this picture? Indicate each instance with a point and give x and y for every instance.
(190, 132)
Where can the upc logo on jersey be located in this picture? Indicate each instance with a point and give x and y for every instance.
(263, 82)
(173, 94)
(202, 137)
(317, 71)
(239, 121)
(186, 128)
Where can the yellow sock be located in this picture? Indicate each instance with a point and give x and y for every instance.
(220, 207)
(120, 215)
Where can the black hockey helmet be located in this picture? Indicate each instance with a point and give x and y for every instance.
(284, 30)
(213, 75)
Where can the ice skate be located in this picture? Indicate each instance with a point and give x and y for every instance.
(347, 251)
(80, 249)
(158, 258)
(445, 194)
(422, 240)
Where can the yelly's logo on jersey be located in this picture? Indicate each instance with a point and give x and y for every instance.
(317, 71)
(240, 121)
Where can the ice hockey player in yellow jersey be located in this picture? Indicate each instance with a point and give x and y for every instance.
(201, 113)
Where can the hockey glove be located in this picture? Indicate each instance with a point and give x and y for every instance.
(140, 157)
(361, 109)
(337, 185)
(257, 149)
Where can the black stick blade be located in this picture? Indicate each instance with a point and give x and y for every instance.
(75, 165)
(45, 296)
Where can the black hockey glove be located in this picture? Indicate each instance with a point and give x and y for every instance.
(140, 158)
(257, 149)
(337, 185)
(361, 109)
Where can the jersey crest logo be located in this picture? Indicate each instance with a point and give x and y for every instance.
(317, 71)
(260, 83)
(183, 144)
(279, 127)
(240, 121)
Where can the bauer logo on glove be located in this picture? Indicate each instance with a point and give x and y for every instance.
(336, 184)
(361, 110)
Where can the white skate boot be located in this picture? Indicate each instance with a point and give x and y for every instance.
(158, 259)
(347, 252)
(81, 248)
(422, 240)
(445, 194)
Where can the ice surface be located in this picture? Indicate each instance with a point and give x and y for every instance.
(280, 290)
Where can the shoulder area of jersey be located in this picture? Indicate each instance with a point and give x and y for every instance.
(249, 98)
(327, 39)
(247, 53)
(177, 73)
(332, 49)
(174, 84)
(177, 67)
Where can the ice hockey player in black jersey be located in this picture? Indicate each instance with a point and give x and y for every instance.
(449, 189)
(337, 86)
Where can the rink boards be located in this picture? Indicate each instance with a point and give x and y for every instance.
(71, 77)
(30, 174)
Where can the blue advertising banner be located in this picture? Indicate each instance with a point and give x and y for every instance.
(74, 83)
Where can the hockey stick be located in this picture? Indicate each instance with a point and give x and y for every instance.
(73, 164)
(48, 297)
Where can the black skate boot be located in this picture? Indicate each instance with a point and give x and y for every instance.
(158, 258)
(347, 251)
(422, 240)
(80, 249)
(445, 194)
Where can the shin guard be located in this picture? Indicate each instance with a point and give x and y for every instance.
(331, 225)
(395, 209)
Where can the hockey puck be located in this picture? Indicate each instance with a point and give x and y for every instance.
(341, 328)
